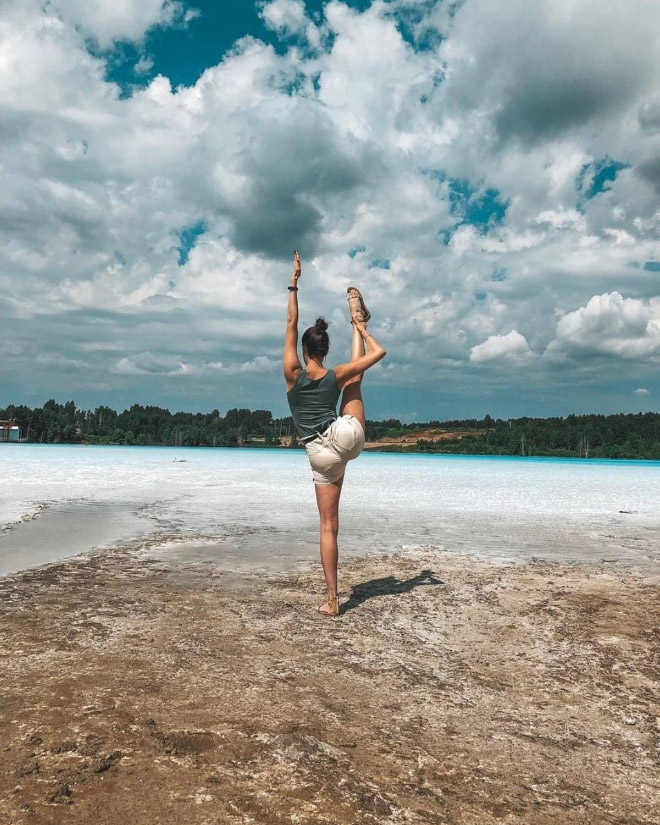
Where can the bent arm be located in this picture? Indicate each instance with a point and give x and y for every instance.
(290, 362)
(376, 353)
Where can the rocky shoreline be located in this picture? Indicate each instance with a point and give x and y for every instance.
(450, 690)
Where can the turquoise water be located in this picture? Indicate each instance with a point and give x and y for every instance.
(256, 508)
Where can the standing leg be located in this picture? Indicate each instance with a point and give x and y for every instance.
(351, 399)
(327, 499)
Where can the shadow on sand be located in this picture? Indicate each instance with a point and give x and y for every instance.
(387, 586)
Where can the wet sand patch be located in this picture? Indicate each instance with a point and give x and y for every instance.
(53, 531)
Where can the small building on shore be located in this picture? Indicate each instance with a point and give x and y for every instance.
(9, 431)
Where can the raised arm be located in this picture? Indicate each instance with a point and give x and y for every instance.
(290, 361)
(375, 353)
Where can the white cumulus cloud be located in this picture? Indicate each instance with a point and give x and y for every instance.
(510, 348)
(612, 325)
(284, 15)
(110, 20)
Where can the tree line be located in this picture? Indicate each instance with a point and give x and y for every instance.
(635, 435)
(67, 424)
(623, 435)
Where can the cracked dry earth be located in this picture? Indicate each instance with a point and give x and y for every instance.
(449, 691)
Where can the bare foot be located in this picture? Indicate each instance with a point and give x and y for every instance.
(331, 607)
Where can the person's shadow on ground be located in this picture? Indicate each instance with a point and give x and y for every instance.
(387, 586)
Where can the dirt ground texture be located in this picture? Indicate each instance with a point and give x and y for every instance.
(409, 439)
(450, 690)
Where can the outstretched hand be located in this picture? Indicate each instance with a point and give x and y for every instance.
(297, 269)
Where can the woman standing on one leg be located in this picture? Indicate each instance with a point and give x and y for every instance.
(312, 392)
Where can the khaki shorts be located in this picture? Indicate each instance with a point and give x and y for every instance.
(332, 450)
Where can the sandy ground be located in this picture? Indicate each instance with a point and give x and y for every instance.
(409, 439)
(449, 691)
(430, 434)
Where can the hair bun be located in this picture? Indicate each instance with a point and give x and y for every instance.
(321, 324)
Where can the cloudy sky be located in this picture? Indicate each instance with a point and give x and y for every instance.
(487, 171)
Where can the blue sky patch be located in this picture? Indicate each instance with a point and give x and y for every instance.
(594, 177)
(652, 266)
(379, 264)
(188, 237)
(182, 53)
(480, 207)
(470, 204)
(408, 18)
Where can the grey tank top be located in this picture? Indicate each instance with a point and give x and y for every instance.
(313, 403)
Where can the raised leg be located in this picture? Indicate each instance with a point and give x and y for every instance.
(351, 398)
(327, 500)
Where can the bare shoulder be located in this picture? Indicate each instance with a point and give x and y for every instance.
(291, 376)
(342, 373)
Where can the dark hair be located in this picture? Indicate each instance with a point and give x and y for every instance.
(315, 339)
